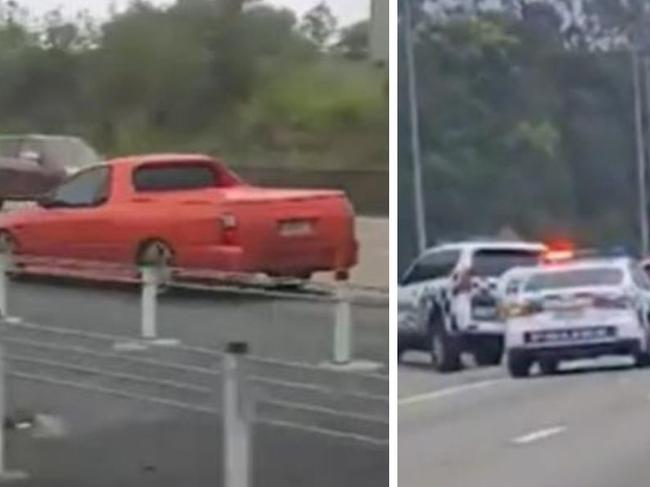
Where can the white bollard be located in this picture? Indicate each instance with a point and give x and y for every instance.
(342, 359)
(149, 302)
(342, 326)
(236, 419)
(5, 475)
(151, 280)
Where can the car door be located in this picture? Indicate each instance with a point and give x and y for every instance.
(421, 283)
(75, 220)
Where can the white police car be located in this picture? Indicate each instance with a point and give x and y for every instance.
(580, 309)
(448, 304)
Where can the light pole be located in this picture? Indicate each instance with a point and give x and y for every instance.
(418, 192)
(640, 150)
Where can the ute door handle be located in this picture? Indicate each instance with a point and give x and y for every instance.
(141, 199)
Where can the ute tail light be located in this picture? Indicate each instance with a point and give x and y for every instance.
(229, 229)
(463, 282)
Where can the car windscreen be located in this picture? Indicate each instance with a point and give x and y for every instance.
(494, 262)
(593, 276)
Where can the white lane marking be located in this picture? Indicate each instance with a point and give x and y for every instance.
(449, 391)
(538, 435)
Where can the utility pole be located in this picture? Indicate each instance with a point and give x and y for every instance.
(418, 191)
(640, 150)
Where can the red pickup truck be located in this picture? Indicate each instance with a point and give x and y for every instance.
(194, 212)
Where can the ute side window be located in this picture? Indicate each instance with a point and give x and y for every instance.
(432, 266)
(175, 177)
(85, 189)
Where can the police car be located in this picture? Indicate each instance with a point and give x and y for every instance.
(448, 302)
(579, 309)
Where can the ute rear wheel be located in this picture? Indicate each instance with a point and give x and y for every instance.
(155, 252)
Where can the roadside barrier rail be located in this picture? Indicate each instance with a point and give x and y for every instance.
(156, 277)
(243, 390)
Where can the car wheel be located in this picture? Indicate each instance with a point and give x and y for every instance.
(548, 366)
(445, 351)
(155, 252)
(519, 365)
(488, 352)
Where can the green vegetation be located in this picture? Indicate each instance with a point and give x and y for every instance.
(233, 77)
(527, 121)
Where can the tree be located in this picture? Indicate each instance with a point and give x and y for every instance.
(319, 25)
(354, 42)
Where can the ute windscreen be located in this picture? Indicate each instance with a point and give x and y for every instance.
(494, 262)
(597, 276)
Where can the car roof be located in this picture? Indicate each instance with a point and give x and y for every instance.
(590, 263)
(473, 245)
(162, 157)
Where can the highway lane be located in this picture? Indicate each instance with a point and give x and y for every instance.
(286, 329)
(109, 442)
(112, 441)
(587, 427)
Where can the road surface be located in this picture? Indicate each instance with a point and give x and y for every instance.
(586, 427)
(111, 441)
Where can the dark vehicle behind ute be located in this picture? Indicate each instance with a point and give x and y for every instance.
(31, 165)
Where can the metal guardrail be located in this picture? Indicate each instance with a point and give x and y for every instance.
(244, 390)
(153, 278)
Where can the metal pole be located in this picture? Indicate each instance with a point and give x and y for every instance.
(640, 150)
(4, 281)
(236, 419)
(5, 475)
(3, 407)
(343, 326)
(418, 191)
(149, 301)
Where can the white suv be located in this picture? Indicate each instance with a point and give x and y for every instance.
(448, 300)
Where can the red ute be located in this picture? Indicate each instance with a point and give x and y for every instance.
(194, 210)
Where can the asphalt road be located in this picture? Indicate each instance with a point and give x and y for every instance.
(110, 441)
(589, 426)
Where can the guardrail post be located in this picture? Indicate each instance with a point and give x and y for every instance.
(343, 334)
(236, 419)
(149, 301)
(342, 326)
(152, 276)
(5, 475)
